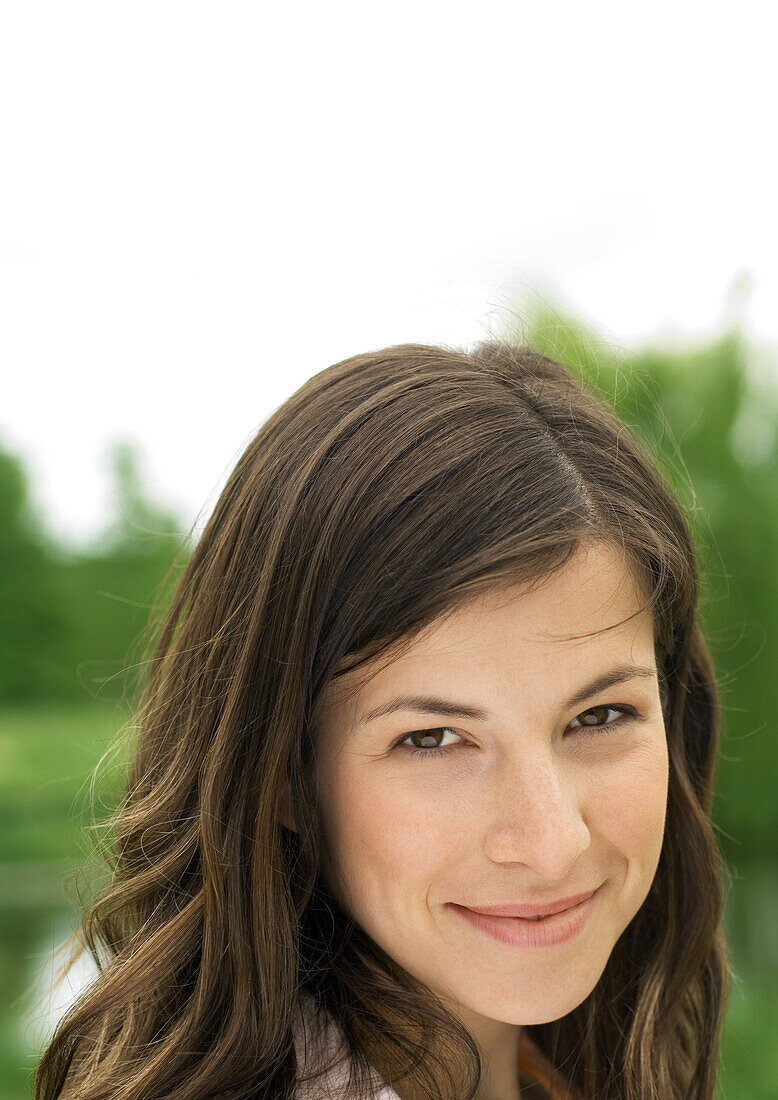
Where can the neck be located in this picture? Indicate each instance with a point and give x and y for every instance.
(499, 1079)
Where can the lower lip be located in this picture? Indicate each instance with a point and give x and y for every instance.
(519, 932)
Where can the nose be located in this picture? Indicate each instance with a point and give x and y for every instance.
(536, 819)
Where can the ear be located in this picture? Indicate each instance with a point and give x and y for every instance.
(286, 814)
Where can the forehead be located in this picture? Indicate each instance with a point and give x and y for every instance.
(593, 603)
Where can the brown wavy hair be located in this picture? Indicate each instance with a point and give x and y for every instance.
(389, 489)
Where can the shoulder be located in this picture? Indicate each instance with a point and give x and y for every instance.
(320, 1046)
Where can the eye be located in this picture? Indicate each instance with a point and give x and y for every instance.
(427, 742)
(428, 745)
(620, 708)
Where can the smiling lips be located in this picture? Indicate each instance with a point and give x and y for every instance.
(532, 912)
(537, 930)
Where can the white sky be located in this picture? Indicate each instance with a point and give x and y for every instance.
(202, 204)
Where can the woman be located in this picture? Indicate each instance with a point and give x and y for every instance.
(425, 552)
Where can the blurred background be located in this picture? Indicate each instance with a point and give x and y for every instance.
(202, 205)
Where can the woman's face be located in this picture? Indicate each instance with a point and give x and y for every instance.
(529, 802)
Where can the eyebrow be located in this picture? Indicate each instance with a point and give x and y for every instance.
(432, 704)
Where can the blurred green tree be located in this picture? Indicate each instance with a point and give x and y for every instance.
(116, 581)
(33, 613)
(69, 619)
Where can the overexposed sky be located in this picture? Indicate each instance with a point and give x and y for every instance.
(202, 204)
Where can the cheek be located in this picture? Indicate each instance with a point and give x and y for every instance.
(384, 840)
(629, 805)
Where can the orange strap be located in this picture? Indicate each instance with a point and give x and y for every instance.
(534, 1064)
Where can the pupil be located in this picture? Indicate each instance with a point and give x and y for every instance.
(594, 711)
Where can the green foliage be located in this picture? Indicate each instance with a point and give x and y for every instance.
(49, 756)
(70, 620)
(33, 613)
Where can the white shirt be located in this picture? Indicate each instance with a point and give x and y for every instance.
(317, 1038)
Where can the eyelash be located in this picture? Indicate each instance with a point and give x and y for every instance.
(629, 713)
